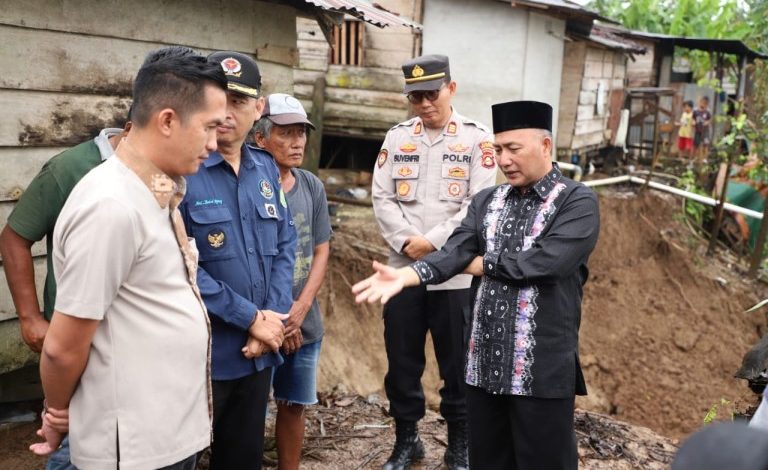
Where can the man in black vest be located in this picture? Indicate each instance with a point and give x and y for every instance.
(527, 243)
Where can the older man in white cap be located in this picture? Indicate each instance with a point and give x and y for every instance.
(282, 131)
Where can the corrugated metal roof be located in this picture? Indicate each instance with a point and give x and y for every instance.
(727, 46)
(370, 12)
(564, 7)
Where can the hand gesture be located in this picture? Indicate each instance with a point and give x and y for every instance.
(268, 328)
(292, 342)
(55, 427)
(383, 285)
(296, 317)
(253, 348)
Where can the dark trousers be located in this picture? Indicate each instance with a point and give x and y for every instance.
(407, 318)
(520, 433)
(239, 410)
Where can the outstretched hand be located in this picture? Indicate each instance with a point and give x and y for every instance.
(385, 283)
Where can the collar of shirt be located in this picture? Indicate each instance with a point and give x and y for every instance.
(102, 141)
(246, 159)
(167, 191)
(544, 186)
(418, 128)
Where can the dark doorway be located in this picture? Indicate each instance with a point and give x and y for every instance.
(351, 153)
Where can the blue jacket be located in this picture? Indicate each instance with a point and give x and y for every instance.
(246, 239)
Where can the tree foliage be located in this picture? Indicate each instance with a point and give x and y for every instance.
(717, 19)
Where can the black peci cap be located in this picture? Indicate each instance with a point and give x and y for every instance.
(242, 73)
(425, 73)
(521, 115)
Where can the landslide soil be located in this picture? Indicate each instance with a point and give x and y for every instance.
(662, 327)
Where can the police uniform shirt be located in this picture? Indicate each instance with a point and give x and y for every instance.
(423, 187)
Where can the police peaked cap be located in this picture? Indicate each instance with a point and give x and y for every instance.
(425, 73)
(521, 115)
(242, 73)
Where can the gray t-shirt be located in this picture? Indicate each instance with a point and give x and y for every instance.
(309, 209)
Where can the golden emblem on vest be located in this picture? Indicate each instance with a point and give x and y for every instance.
(486, 145)
(216, 239)
(408, 148)
(454, 189)
(457, 172)
(458, 148)
(403, 189)
(417, 71)
(405, 171)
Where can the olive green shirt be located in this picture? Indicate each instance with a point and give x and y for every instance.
(38, 208)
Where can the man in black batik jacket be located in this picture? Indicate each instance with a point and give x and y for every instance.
(527, 244)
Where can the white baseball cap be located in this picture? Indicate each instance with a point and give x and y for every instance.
(283, 109)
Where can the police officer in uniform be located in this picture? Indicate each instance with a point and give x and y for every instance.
(428, 169)
(236, 212)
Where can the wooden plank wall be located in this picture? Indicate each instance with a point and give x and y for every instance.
(360, 101)
(581, 126)
(643, 70)
(68, 66)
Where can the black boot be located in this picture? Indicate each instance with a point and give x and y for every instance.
(456, 457)
(408, 447)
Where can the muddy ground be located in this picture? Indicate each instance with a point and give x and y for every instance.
(662, 334)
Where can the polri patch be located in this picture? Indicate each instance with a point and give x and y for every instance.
(266, 189)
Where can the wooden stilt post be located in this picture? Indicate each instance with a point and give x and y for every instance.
(314, 144)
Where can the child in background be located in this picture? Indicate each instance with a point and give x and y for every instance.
(702, 119)
(685, 134)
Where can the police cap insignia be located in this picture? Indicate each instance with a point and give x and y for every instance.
(231, 66)
(417, 71)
